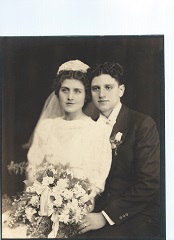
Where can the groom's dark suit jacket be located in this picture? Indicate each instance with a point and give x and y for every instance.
(133, 184)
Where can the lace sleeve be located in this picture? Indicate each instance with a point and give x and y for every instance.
(102, 157)
(37, 150)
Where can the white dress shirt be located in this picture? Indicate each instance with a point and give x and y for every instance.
(111, 120)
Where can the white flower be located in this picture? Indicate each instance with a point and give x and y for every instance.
(64, 216)
(34, 200)
(68, 206)
(79, 191)
(79, 214)
(118, 136)
(62, 183)
(47, 180)
(67, 194)
(86, 198)
(34, 187)
(74, 203)
(56, 190)
(29, 212)
(116, 141)
(58, 200)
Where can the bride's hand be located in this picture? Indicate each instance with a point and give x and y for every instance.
(92, 221)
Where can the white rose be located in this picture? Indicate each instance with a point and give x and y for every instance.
(34, 200)
(58, 200)
(64, 216)
(67, 194)
(118, 136)
(57, 190)
(74, 203)
(47, 180)
(29, 212)
(79, 191)
(62, 183)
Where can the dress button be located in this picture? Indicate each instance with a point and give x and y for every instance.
(126, 214)
(123, 215)
(120, 217)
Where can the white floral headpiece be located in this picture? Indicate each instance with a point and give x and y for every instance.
(74, 65)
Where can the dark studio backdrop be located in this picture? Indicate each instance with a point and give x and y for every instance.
(29, 65)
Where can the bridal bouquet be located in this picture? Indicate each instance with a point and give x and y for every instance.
(53, 204)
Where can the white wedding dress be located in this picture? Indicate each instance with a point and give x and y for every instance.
(84, 144)
(7, 233)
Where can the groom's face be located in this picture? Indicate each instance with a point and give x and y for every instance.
(106, 93)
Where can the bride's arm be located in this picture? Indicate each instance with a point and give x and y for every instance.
(37, 150)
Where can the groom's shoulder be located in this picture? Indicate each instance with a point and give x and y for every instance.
(139, 117)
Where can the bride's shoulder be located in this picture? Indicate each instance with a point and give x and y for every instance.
(45, 124)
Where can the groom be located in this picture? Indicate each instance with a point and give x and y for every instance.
(130, 204)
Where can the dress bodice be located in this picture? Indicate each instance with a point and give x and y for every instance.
(83, 144)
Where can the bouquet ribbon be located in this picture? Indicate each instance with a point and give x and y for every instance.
(55, 226)
(44, 202)
(45, 193)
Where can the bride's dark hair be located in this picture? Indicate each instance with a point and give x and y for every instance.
(69, 74)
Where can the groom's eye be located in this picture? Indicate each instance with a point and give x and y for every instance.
(77, 91)
(109, 87)
(95, 88)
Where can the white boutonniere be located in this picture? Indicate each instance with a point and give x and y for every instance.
(115, 141)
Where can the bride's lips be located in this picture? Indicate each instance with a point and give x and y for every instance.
(69, 103)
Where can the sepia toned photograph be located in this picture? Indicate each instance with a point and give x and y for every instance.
(83, 137)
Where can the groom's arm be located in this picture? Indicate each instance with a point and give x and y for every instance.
(137, 197)
(147, 172)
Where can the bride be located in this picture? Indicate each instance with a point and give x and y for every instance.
(73, 138)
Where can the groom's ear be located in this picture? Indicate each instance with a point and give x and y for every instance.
(121, 90)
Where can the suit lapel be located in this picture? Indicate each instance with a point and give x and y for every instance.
(121, 123)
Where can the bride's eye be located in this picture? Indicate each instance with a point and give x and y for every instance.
(65, 90)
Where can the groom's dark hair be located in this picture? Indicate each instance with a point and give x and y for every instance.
(115, 70)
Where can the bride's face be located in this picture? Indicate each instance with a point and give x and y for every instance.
(72, 95)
